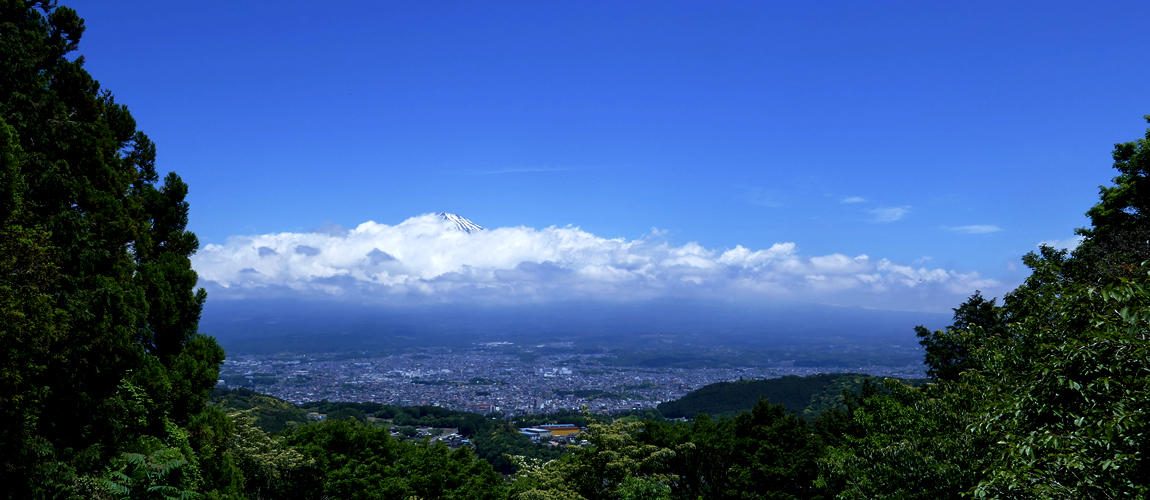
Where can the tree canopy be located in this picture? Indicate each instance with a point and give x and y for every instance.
(98, 306)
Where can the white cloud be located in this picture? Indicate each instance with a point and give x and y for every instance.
(853, 199)
(426, 259)
(889, 214)
(1067, 244)
(976, 229)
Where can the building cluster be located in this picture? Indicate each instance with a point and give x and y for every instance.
(485, 382)
(549, 431)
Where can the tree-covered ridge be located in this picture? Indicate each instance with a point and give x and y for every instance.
(270, 414)
(809, 395)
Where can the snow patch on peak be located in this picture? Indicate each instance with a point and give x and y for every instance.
(461, 222)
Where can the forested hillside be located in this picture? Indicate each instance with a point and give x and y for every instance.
(105, 380)
(809, 396)
(270, 414)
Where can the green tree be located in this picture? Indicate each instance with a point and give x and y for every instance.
(615, 464)
(96, 286)
(635, 488)
(213, 439)
(776, 455)
(357, 461)
(1119, 232)
(896, 441)
(1042, 397)
(947, 355)
(1071, 391)
(764, 453)
(269, 466)
(1069, 379)
(348, 414)
(498, 440)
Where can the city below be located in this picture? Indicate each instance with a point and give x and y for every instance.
(483, 379)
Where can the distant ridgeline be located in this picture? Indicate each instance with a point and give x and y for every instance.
(273, 415)
(808, 396)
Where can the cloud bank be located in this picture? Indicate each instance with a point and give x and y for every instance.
(425, 259)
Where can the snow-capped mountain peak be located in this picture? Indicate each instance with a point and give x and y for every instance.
(461, 222)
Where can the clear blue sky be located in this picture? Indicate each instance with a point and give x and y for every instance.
(966, 132)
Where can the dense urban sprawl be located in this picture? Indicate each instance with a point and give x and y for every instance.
(482, 381)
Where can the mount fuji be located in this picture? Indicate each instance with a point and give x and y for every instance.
(461, 222)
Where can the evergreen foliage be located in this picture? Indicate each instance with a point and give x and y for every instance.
(356, 461)
(946, 356)
(808, 395)
(98, 306)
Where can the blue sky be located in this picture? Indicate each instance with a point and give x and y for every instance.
(935, 136)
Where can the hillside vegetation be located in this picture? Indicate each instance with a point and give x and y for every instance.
(809, 396)
(270, 414)
(105, 380)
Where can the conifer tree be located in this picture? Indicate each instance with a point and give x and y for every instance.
(98, 307)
